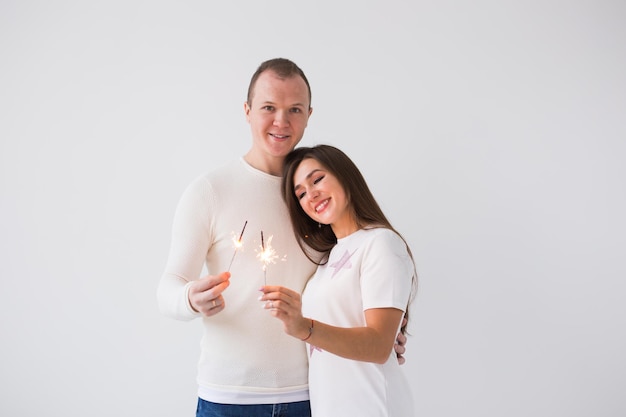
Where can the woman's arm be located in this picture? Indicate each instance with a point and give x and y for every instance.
(372, 343)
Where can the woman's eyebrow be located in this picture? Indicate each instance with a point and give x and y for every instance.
(309, 175)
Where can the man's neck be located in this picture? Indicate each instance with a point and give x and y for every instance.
(272, 166)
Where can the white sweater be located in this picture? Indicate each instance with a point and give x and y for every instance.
(246, 357)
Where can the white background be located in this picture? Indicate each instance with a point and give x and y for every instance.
(492, 133)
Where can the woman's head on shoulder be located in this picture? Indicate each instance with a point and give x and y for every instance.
(322, 186)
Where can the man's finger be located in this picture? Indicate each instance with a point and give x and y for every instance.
(210, 281)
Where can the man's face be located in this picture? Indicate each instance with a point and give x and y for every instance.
(278, 113)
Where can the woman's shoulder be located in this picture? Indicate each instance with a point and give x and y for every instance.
(383, 236)
(380, 232)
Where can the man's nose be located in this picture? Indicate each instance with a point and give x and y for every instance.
(281, 118)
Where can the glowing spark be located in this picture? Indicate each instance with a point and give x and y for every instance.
(267, 255)
(237, 243)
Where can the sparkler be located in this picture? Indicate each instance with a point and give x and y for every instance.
(267, 255)
(238, 243)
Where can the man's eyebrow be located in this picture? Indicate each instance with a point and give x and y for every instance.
(292, 105)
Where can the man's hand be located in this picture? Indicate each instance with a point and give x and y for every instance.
(400, 344)
(205, 294)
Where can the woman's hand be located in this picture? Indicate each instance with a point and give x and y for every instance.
(286, 305)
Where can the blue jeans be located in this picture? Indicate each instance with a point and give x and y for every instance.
(209, 409)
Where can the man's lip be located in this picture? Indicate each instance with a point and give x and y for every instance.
(279, 137)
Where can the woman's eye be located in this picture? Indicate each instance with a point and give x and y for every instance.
(301, 195)
(318, 179)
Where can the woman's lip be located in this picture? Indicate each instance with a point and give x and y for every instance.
(321, 206)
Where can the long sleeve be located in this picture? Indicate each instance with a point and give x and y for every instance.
(188, 250)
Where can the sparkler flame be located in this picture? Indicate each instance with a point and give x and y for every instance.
(267, 255)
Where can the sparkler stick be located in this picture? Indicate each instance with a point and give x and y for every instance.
(264, 263)
(267, 255)
(238, 243)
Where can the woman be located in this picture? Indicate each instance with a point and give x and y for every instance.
(355, 303)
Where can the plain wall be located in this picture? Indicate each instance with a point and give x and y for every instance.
(492, 133)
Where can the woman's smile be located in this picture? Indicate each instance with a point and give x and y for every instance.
(320, 207)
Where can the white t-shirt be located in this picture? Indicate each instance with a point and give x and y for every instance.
(367, 269)
(246, 357)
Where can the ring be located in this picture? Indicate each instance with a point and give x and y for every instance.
(214, 304)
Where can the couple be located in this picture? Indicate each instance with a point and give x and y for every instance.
(353, 305)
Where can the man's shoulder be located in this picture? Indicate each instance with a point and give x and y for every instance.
(218, 174)
(219, 171)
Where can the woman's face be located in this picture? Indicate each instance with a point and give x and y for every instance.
(322, 197)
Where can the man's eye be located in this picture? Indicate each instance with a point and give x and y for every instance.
(268, 108)
(296, 110)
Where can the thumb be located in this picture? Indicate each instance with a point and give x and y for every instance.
(209, 281)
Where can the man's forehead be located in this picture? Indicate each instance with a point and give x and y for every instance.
(271, 84)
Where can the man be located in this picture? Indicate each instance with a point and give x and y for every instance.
(248, 366)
